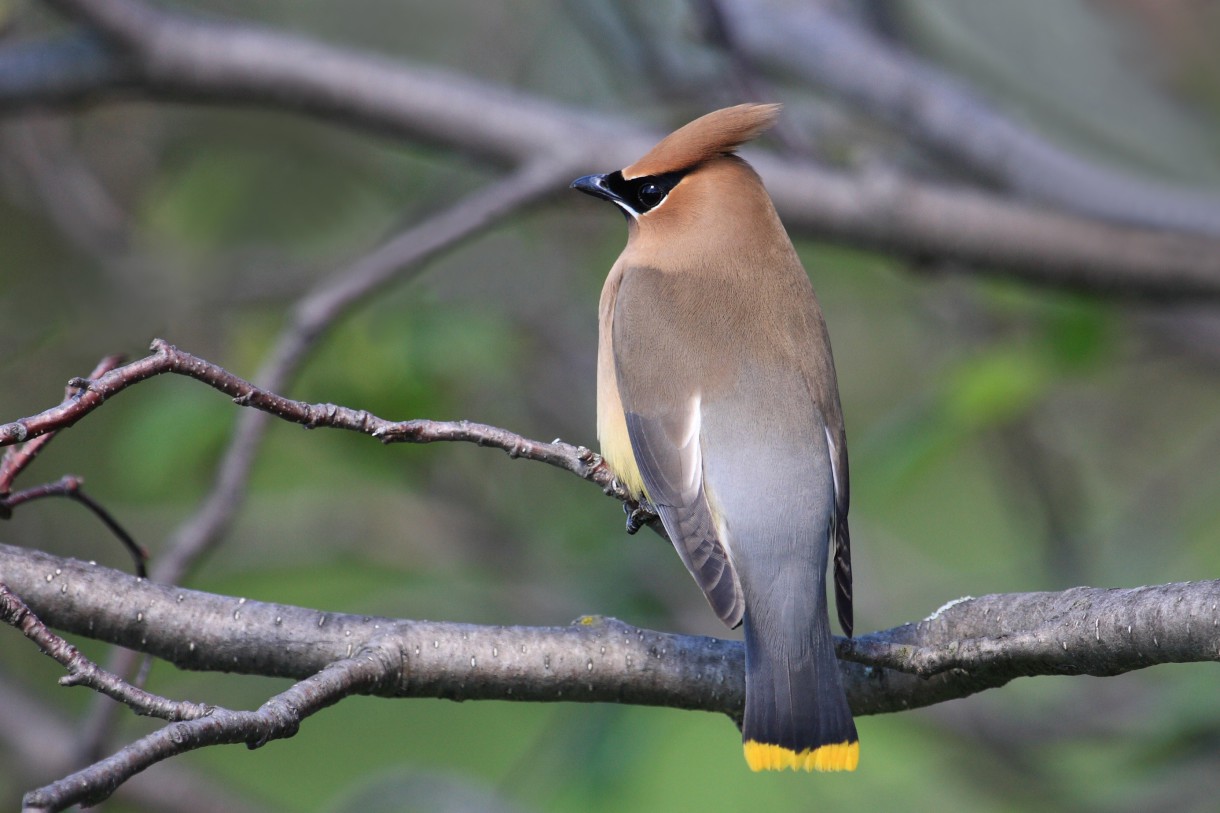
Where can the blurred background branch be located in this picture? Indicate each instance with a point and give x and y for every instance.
(824, 45)
(175, 57)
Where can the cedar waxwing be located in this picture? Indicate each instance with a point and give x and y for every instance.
(717, 402)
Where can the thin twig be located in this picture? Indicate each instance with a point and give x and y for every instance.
(84, 672)
(16, 459)
(139, 554)
(69, 486)
(167, 359)
(279, 717)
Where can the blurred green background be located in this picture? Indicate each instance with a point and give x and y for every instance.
(1003, 437)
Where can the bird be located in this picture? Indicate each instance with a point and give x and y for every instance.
(718, 405)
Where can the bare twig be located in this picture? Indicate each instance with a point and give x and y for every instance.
(279, 717)
(139, 554)
(16, 458)
(84, 672)
(167, 359)
(40, 744)
(72, 410)
(70, 486)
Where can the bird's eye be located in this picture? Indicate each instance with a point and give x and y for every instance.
(650, 195)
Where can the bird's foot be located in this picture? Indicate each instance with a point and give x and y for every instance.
(638, 514)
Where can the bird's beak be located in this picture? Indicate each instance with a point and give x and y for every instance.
(594, 185)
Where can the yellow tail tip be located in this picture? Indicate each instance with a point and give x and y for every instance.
(839, 756)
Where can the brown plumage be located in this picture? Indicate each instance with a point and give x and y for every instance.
(705, 138)
(717, 400)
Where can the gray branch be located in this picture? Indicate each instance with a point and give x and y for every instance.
(966, 647)
(166, 55)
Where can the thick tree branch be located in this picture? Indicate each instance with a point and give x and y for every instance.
(966, 647)
(162, 54)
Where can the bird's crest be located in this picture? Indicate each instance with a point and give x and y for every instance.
(718, 133)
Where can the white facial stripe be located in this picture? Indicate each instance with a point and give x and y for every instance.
(636, 214)
(626, 208)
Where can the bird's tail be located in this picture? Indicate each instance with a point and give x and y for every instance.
(796, 711)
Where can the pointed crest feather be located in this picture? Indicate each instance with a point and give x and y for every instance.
(718, 133)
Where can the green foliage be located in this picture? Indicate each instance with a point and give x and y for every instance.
(995, 387)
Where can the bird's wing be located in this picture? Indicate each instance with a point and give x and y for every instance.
(662, 404)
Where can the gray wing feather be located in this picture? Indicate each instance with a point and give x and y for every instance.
(673, 475)
(839, 529)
